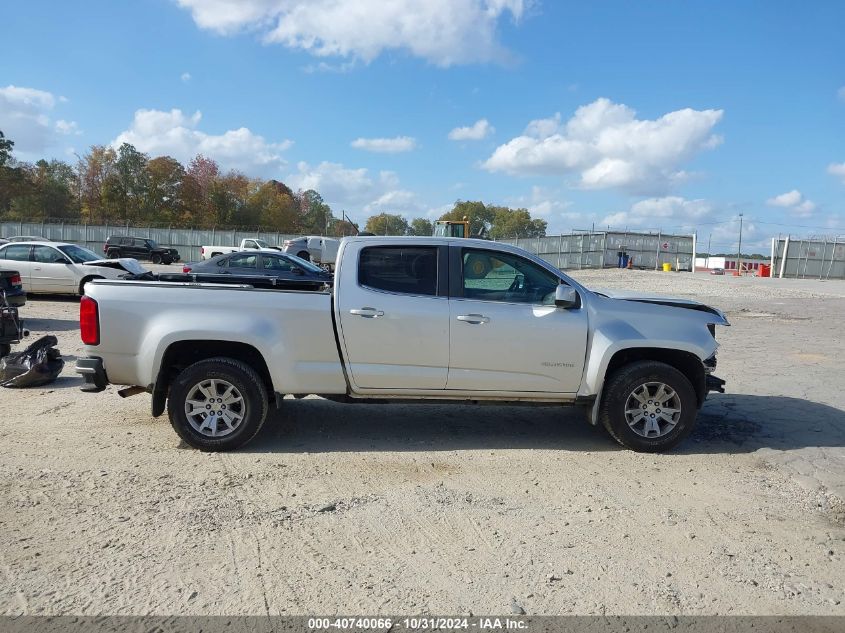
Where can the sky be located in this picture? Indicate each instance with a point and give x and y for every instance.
(663, 115)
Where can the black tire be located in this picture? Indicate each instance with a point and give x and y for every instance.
(5, 349)
(304, 255)
(621, 385)
(84, 281)
(155, 258)
(244, 379)
(113, 254)
(166, 261)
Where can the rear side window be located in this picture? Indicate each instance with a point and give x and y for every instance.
(16, 252)
(243, 261)
(408, 270)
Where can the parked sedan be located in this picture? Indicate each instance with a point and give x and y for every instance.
(10, 284)
(264, 263)
(57, 267)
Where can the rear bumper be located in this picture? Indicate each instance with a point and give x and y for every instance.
(93, 372)
(16, 300)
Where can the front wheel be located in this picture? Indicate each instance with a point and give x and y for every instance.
(217, 404)
(648, 406)
(155, 258)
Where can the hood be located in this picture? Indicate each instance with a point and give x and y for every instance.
(124, 263)
(674, 302)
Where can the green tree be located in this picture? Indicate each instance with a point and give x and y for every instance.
(272, 207)
(12, 179)
(421, 226)
(387, 224)
(6, 146)
(132, 182)
(163, 202)
(479, 215)
(49, 194)
(315, 214)
(509, 223)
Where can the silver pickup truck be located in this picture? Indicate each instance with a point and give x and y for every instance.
(428, 319)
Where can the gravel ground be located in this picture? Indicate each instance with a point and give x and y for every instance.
(445, 509)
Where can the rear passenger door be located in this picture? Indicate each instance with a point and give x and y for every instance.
(244, 264)
(395, 318)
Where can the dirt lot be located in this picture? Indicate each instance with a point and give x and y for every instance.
(445, 509)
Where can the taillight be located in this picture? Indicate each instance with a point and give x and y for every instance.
(202, 251)
(186, 269)
(89, 321)
(16, 280)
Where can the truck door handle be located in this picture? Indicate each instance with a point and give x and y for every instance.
(367, 313)
(474, 319)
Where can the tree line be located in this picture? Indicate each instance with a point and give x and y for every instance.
(108, 185)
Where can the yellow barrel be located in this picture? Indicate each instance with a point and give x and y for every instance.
(667, 267)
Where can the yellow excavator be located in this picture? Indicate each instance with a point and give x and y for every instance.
(448, 228)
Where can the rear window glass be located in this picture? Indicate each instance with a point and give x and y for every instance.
(409, 270)
(18, 253)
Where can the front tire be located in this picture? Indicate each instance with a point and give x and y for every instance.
(155, 258)
(218, 404)
(648, 406)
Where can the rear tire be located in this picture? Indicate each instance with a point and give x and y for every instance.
(113, 254)
(207, 383)
(648, 406)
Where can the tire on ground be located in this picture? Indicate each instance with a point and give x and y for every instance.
(113, 254)
(239, 374)
(155, 258)
(619, 387)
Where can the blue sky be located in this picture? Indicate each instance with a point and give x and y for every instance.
(672, 115)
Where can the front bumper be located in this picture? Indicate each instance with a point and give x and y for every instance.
(714, 384)
(93, 372)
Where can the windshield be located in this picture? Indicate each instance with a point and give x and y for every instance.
(306, 265)
(79, 255)
(262, 244)
(152, 244)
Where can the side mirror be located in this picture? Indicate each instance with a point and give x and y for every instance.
(566, 296)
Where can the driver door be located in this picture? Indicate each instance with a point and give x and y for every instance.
(506, 333)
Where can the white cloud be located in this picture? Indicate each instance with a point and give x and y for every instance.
(25, 119)
(394, 145)
(444, 32)
(788, 199)
(175, 134)
(608, 147)
(841, 93)
(185, 77)
(479, 130)
(661, 212)
(838, 170)
(795, 201)
(67, 127)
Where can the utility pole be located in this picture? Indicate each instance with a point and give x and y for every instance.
(709, 254)
(739, 248)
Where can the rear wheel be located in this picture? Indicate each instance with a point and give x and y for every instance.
(648, 406)
(113, 254)
(217, 404)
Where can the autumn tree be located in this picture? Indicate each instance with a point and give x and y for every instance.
(95, 169)
(272, 206)
(12, 180)
(509, 223)
(315, 214)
